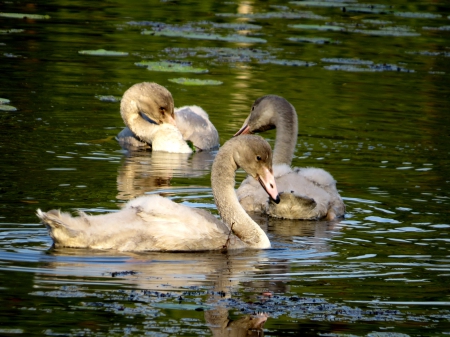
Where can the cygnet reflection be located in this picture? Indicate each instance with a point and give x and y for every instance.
(313, 234)
(211, 276)
(144, 171)
(222, 325)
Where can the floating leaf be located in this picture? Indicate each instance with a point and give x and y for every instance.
(275, 15)
(4, 107)
(387, 31)
(318, 27)
(348, 67)
(103, 52)
(24, 16)
(4, 101)
(430, 53)
(322, 3)
(437, 28)
(346, 61)
(204, 36)
(10, 31)
(235, 26)
(368, 9)
(377, 22)
(170, 67)
(11, 56)
(194, 81)
(294, 63)
(414, 15)
(316, 40)
(370, 67)
(181, 306)
(108, 98)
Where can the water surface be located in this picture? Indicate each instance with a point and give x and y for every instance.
(370, 85)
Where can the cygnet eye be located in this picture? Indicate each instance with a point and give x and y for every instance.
(258, 158)
(253, 108)
(162, 110)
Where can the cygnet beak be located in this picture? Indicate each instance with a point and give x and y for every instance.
(267, 181)
(171, 120)
(244, 130)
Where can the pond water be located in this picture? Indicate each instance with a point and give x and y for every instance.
(370, 82)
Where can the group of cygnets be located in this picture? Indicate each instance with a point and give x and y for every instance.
(155, 223)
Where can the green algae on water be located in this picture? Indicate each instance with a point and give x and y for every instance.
(194, 81)
(171, 67)
(102, 52)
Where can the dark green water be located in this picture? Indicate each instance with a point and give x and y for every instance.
(371, 88)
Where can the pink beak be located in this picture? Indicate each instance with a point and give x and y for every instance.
(267, 181)
(244, 130)
(172, 121)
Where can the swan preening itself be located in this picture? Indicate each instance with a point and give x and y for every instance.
(151, 119)
(306, 193)
(154, 223)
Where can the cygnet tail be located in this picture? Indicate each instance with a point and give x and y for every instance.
(293, 206)
(56, 223)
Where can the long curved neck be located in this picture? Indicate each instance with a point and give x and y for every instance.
(286, 137)
(232, 213)
(140, 127)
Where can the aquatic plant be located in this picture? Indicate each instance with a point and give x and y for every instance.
(171, 67)
(318, 27)
(10, 31)
(194, 81)
(25, 16)
(103, 52)
(204, 36)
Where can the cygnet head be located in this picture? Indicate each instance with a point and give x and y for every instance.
(255, 157)
(151, 100)
(263, 115)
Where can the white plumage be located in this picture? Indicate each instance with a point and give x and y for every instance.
(147, 108)
(154, 223)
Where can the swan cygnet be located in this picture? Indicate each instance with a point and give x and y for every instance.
(154, 223)
(147, 107)
(306, 193)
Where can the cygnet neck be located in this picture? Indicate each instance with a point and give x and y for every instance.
(232, 213)
(286, 135)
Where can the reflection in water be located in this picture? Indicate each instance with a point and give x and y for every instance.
(168, 273)
(222, 326)
(146, 171)
(304, 234)
(213, 277)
